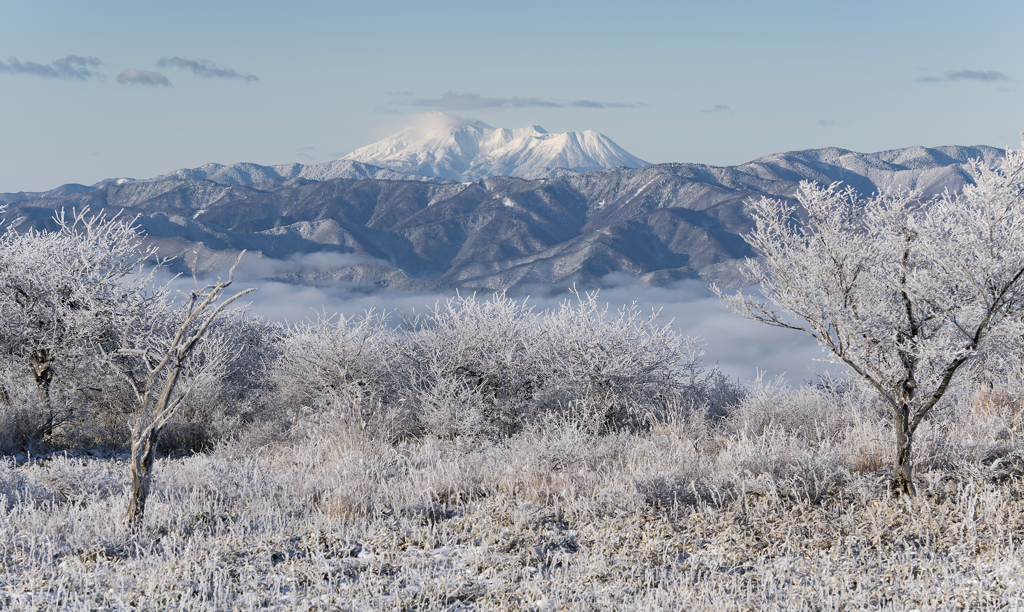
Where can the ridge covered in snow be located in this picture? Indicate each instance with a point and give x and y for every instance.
(248, 174)
(466, 150)
(657, 224)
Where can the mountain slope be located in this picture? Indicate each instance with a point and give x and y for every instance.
(657, 223)
(463, 150)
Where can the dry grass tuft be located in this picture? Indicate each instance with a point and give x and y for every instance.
(868, 459)
(999, 403)
(346, 506)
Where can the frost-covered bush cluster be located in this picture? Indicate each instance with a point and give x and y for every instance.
(74, 298)
(486, 367)
(85, 324)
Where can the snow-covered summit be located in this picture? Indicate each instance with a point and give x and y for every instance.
(467, 150)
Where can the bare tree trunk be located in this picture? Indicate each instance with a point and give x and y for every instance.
(155, 412)
(902, 479)
(42, 369)
(143, 454)
(144, 442)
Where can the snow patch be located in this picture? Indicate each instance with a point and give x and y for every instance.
(641, 190)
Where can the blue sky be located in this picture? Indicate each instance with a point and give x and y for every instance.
(108, 88)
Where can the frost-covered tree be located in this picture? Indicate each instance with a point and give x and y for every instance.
(65, 293)
(903, 291)
(186, 350)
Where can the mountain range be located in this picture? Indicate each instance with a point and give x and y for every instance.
(654, 224)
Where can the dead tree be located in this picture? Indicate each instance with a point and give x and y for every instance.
(158, 397)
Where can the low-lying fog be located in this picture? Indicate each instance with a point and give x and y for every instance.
(738, 346)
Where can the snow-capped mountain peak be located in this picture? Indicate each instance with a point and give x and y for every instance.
(468, 150)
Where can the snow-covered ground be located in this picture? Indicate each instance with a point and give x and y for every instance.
(782, 506)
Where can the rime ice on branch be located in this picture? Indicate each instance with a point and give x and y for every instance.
(904, 292)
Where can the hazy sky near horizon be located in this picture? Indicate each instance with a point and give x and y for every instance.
(112, 88)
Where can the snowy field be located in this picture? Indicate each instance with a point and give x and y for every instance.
(782, 504)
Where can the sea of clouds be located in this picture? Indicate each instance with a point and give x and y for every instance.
(738, 347)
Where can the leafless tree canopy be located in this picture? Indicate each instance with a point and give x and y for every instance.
(64, 294)
(904, 292)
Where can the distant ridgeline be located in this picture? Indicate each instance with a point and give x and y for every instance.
(657, 223)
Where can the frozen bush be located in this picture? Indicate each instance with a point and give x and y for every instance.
(474, 366)
(492, 366)
(335, 360)
(338, 370)
(814, 415)
(22, 417)
(235, 401)
(619, 370)
(470, 367)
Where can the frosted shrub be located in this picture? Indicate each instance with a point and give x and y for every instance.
(798, 444)
(814, 415)
(619, 370)
(338, 365)
(474, 366)
(471, 367)
(233, 403)
(995, 388)
(22, 416)
(336, 361)
(492, 366)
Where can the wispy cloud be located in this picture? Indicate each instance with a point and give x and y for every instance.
(717, 109)
(985, 76)
(451, 100)
(826, 123)
(143, 77)
(205, 69)
(70, 67)
(593, 104)
(456, 101)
